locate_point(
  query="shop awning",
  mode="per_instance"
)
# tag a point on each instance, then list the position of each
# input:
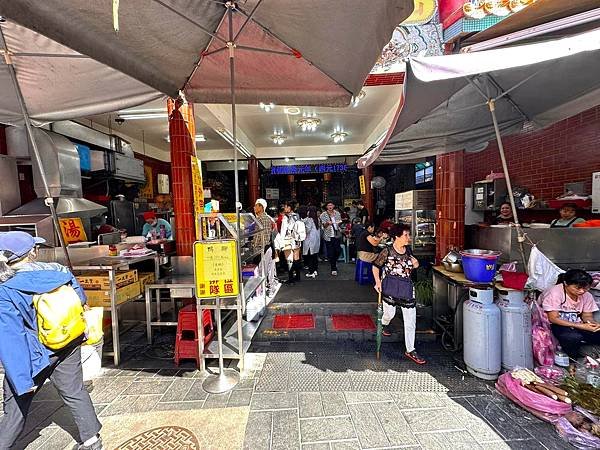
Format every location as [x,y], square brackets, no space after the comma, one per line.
[311,52]
[445,98]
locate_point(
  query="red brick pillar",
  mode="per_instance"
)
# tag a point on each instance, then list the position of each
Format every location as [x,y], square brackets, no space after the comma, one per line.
[367,198]
[326,180]
[292,181]
[253,180]
[182,133]
[450,203]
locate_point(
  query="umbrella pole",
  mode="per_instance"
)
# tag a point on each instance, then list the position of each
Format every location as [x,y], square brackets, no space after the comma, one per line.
[520,236]
[49,201]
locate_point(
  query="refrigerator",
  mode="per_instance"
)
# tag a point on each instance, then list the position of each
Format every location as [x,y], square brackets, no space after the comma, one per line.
[417,209]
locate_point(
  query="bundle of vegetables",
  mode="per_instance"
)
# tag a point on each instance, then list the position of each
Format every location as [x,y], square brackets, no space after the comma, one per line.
[580,428]
[531,381]
[582,394]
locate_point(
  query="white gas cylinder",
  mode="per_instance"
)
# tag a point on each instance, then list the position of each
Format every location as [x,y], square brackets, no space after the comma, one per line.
[482,334]
[517,350]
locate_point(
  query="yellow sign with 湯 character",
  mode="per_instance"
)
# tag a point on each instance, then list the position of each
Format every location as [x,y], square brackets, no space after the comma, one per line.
[198,192]
[361,182]
[216,269]
[72,230]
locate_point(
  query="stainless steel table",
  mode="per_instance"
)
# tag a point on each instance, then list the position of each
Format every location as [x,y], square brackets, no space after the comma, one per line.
[111,264]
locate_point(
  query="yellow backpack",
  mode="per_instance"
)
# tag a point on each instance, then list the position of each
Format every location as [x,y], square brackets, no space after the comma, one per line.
[59,317]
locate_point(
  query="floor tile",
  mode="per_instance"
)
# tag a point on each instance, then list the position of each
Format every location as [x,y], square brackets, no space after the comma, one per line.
[455,440]
[216,400]
[334,404]
[310,404]
[258,431]
[394,424]
[285,435]
[273,400]
[178,389]
[326,429]
[240,397]
[368,429]
[147,387]
[427,420]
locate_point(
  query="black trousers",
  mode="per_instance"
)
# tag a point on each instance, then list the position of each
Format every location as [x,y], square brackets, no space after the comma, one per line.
[571,339]
[333,252]
[312,261]
[65,372]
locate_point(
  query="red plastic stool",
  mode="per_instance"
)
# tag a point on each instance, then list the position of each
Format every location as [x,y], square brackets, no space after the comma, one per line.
[186,347]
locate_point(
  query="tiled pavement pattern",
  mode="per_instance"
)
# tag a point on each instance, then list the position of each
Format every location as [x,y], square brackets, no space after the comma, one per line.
[334,396]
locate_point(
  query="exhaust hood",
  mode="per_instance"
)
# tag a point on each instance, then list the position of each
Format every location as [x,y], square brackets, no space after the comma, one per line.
[61,168]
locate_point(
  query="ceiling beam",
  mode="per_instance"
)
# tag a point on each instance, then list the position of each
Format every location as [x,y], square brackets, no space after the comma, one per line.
[218,117]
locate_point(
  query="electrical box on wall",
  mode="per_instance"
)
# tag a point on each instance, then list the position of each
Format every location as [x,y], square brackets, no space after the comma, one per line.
[596,192]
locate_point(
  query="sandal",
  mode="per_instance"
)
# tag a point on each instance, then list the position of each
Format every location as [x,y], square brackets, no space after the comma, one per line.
[386,331]
[415,357]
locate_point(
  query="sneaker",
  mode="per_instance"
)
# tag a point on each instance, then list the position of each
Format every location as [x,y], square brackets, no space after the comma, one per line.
[334,273]
[415,357]
[95,446]
[311,275]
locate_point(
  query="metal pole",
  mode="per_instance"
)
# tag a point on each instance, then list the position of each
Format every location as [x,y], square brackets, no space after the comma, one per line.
[36,154]
[511,198]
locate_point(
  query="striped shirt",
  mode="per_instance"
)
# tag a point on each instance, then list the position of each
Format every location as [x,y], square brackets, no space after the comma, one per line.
[336,222]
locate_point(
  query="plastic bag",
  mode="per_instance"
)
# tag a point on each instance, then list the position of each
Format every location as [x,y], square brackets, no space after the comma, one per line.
[551,374]
[93,319]
[539,405]
[91,361]
[541,337]
[578,439]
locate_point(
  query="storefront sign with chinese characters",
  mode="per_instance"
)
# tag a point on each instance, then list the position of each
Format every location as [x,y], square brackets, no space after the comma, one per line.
[308,168]
[198,191]
[361,182]
[216,269]
[72,230]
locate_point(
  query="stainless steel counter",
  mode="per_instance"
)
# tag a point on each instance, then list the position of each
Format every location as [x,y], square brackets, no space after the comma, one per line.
[566,247]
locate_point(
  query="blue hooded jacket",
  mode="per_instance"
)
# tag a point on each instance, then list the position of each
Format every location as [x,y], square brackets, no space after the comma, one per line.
[21,353]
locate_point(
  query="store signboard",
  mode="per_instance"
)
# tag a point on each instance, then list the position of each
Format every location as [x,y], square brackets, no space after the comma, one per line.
[272,193]
[72,230]
[216,269]
[163,183]
[198,191]
[363,187]
[298,169]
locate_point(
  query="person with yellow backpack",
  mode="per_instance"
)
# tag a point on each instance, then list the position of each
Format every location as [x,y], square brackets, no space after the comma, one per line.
[42,327]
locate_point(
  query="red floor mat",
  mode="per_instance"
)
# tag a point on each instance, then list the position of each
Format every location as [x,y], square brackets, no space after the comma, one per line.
[343,322]
[294,322]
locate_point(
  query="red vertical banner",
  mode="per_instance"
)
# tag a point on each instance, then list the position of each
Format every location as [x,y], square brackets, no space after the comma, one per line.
[182,132]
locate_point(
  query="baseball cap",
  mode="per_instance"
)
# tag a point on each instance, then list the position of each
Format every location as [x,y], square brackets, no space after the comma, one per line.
[262,202]
[18,243]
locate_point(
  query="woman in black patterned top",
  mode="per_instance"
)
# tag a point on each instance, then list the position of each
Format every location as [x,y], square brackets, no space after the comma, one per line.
[391,271]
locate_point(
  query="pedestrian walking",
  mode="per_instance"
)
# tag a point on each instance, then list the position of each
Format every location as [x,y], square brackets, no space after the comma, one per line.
[331,222]
[310,246]
[391,270]
[291,236]
[27,362]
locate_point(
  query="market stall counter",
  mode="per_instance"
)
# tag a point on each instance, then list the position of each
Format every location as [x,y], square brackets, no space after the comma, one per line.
[115,296]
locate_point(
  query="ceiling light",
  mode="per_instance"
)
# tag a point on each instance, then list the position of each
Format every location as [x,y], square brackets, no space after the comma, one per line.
[308,180]
[356,100]
[140,116]
[292,110]
[278,138]
[229,138]
[199,138]
[309,124]
[339,136]
[287,159]
[266,107]
[314,158]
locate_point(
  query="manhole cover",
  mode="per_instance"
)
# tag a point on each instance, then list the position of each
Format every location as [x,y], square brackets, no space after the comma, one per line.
[170,437]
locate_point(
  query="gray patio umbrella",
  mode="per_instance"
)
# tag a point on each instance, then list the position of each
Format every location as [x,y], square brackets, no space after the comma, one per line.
[463,101]
[291,52]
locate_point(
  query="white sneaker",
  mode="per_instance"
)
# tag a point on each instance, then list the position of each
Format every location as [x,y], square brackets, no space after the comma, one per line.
[311,275]
[334,273]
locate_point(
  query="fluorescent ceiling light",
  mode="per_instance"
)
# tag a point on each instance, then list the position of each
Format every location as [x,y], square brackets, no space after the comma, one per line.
[308,180]
[139,116]
[199,138]
[292,110]
[315,158]
[229,138]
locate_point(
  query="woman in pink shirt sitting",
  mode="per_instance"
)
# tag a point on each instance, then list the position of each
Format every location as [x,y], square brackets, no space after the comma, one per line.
[569,307]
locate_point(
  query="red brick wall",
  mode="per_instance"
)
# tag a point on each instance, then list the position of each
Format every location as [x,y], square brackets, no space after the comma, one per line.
[383,79]
[543,161]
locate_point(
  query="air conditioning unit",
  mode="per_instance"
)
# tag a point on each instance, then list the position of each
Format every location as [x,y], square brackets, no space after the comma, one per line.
[596,192]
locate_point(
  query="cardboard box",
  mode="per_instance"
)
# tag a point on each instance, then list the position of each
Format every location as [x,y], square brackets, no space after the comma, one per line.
[99,281]
[146,278]
[102,298]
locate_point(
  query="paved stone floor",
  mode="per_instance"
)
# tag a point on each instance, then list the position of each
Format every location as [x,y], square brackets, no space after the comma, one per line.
[299,392]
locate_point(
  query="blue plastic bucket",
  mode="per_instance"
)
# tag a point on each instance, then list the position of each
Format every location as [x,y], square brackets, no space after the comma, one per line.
[480,265]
